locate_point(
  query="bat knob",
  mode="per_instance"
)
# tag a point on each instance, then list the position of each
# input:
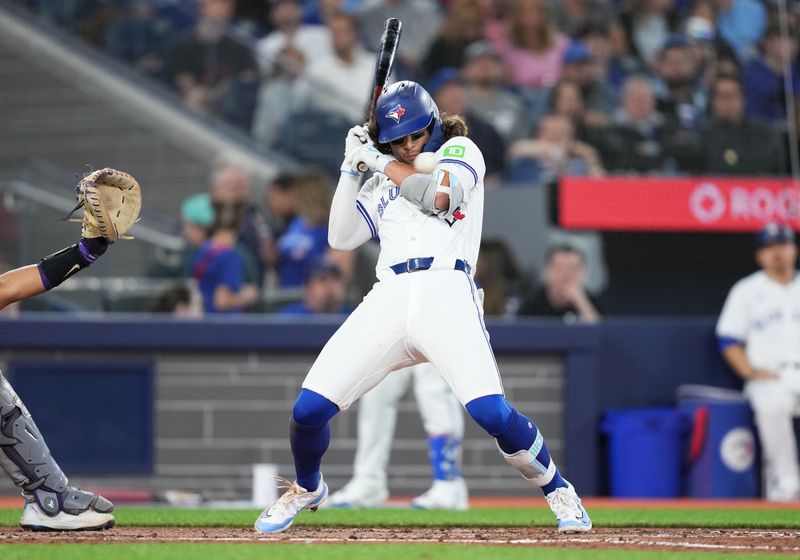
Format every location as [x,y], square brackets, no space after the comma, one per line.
[362,167]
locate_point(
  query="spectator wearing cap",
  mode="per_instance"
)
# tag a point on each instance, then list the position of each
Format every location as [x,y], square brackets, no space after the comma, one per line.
[758,333]
[742,24]
[323,291]
[598,95]
[450,95]
[462,27]
[196,219]
[484,76]
[764,76]
[680,99]
[712,54]
[731,143]
[532,46]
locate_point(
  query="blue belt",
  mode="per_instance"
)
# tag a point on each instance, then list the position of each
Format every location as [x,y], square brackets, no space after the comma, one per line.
[424,263]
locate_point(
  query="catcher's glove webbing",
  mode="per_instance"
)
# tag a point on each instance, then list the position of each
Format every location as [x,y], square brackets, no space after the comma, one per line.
[111,201]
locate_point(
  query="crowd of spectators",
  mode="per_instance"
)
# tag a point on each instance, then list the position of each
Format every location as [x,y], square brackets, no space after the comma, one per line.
[617,73]
[549,88]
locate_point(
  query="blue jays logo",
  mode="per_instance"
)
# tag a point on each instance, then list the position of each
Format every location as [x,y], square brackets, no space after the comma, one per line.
[396,112]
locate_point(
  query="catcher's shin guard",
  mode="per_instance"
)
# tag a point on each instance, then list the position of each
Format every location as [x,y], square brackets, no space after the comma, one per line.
[25,457]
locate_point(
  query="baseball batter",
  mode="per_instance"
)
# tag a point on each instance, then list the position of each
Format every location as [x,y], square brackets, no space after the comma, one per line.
[425,305]
[443,420]
[759,336]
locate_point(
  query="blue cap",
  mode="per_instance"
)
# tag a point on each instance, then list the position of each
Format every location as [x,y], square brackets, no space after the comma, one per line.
[576,52]
[443,77]
[321,267]
[198,210]
[774,232]
[676,40]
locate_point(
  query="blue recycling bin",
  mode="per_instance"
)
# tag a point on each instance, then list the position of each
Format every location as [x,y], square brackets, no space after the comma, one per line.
[721,461]
[644,452]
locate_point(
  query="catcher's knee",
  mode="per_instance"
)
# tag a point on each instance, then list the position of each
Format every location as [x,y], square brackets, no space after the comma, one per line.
[492,413]
[312,409]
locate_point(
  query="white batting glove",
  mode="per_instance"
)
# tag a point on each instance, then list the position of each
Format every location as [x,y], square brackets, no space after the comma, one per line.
[356,137]
[371,157]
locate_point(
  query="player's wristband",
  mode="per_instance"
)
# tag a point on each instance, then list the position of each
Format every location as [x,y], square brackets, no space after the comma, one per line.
[55,268]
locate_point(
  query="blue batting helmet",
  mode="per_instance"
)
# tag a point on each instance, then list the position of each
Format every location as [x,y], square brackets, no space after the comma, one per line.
[405,108]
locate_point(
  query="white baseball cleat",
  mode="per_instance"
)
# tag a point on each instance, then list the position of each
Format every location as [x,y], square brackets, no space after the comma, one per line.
[569,512]
[444,494]
[34,519]
[358,495]
[281,515]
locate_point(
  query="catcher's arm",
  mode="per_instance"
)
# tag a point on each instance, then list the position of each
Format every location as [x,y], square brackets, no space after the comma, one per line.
[19,284]
[52,270]
[103,195]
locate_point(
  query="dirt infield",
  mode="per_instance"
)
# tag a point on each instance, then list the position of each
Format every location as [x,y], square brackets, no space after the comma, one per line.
[779,542]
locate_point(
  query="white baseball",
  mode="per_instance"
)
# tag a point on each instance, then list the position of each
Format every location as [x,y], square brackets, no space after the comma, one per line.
[425,162]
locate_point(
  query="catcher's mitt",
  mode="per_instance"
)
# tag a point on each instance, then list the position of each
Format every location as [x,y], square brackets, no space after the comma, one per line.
[111,201]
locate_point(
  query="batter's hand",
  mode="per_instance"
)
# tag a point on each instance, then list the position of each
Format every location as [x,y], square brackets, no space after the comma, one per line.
[356,137]
[371,157]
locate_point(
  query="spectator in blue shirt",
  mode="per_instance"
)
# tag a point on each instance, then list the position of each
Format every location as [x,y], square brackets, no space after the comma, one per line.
[306,238]
[764,77]
[218,267]
[741,23]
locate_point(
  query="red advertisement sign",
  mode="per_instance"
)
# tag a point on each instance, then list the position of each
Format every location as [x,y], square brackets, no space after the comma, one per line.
[677,204]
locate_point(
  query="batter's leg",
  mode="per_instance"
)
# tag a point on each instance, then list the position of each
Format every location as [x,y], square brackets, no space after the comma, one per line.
[443,419]
[470,369]
[50,502]
[377,416]
[368,346]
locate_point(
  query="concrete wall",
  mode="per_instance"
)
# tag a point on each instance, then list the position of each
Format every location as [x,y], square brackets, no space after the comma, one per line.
[217,414]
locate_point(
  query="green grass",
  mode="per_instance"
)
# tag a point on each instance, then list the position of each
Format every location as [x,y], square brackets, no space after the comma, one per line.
[337,552]
[155,517]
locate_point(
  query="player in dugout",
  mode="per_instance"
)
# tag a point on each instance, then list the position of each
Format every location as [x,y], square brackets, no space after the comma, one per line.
[759,337]
[425,306]
[51,503]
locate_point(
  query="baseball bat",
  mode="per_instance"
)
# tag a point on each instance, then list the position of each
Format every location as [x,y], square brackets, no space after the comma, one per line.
[383,66]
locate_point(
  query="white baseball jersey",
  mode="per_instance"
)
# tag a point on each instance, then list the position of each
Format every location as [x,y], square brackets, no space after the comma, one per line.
[406,231]
[407,318]
[764,316]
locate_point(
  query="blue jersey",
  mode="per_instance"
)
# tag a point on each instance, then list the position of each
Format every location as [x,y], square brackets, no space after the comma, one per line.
[217,265]
[299,247]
